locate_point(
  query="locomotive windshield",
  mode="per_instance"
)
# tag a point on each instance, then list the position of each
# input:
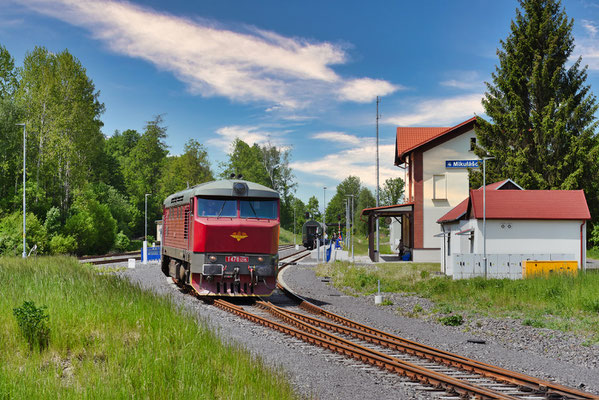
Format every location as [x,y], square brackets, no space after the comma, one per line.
[211,207]
[258,208]
[227,207]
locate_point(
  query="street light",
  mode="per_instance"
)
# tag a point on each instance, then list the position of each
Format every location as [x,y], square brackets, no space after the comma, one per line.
[485,212]
[324,212]
[24,210]
[351,196]
[146,218]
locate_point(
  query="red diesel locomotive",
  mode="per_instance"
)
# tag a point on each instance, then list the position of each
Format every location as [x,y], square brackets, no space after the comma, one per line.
[222,238]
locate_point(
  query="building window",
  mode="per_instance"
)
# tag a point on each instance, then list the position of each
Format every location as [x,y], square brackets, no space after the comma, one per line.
[472,144]
[449,244]
[440,187]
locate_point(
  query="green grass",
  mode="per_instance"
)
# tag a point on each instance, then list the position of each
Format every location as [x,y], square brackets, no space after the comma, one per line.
[568,303]
[110,339]
[286,237]
[593,253]
[361,246]
[394,277]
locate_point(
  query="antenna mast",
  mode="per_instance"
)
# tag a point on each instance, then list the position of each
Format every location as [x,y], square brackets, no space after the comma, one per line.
[378,100]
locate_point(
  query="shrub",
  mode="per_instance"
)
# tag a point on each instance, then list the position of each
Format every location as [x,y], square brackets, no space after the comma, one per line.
[33,324]
[452,320]
[53,222]
[11,234]
[60,244]
[122,242]
[91,225]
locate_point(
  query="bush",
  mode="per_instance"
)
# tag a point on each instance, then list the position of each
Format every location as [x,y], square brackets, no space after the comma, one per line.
[91,225]
[122,242]
[53,222]
[452,320]
[33,324]
[11,234]
[60,244]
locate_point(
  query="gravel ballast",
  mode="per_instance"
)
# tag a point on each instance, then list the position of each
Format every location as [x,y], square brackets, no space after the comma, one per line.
[317,373]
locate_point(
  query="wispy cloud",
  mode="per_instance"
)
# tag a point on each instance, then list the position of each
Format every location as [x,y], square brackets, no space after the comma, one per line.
[365,90]
[246,65]
[590,26]
[358,161]
[443,111]
[464,80]
[249,134]
[339,138]
[587,46]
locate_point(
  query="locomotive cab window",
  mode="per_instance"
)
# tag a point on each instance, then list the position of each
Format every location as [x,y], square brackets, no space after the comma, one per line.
[214,207]
[258,208]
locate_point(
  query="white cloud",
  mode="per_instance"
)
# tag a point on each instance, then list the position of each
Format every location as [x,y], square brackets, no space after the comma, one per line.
[587,46]
[365,90]
[358,161]
[338,137]
[255,65]
[464,80]
[590,26]
[441,112]
[249,134]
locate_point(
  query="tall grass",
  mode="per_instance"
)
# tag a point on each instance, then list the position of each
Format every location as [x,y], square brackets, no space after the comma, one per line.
[110,339]
[559,301]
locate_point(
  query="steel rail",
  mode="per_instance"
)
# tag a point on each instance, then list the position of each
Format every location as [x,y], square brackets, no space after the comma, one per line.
[448,358]
[331,342]
[462,363]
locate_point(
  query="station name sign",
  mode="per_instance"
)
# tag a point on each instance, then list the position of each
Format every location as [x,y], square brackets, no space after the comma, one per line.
[462,163]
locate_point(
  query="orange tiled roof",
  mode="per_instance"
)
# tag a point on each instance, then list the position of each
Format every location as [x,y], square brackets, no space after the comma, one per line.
[408,139]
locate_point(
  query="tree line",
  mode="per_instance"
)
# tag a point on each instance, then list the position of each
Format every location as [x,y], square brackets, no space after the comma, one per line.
[86,192]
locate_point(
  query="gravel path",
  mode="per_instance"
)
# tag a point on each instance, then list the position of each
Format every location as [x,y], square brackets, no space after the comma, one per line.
[317,373]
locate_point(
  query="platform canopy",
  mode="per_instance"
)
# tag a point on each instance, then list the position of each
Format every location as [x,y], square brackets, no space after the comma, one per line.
[404,211]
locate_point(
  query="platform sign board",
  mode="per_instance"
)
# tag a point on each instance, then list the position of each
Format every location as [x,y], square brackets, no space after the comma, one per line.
[462,163]
[153,253]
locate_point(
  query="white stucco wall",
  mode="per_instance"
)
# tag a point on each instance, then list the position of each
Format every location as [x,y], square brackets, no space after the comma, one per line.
[433,163]
[532,237]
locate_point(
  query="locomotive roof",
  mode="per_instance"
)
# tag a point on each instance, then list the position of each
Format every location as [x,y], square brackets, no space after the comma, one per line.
[222,188]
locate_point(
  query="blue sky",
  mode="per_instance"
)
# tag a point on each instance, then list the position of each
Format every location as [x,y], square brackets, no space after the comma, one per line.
[300,74]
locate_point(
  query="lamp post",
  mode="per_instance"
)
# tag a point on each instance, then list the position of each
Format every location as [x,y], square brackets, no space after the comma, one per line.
[24,204]
[485,213]
[146,218]
[145,247]
[324,211]
[294,224]
[351,198]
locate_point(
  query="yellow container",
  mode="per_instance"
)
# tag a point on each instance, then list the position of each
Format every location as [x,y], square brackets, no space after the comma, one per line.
[532,268]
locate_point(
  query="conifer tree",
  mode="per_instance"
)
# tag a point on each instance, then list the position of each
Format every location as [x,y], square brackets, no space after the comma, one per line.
[542,124]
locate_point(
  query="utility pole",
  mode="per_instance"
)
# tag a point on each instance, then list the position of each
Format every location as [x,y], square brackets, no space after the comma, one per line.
[378,100]
[24,205]
[324,212]
[346,222]
[145,244]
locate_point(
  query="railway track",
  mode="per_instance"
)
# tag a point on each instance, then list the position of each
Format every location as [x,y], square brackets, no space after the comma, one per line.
[451,375]
[124,257]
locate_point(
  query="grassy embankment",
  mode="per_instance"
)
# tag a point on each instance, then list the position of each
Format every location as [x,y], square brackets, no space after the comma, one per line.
[110,339]
[558,302]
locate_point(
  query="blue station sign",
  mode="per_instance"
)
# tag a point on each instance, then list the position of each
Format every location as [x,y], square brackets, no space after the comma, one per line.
[462,163]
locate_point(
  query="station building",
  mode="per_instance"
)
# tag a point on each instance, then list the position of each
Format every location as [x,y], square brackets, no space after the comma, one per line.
[435,161]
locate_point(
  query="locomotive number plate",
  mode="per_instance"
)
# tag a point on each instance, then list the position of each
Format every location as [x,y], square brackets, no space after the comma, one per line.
[237,259]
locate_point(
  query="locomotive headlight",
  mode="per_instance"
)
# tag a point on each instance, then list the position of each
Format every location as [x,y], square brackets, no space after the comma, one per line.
[260,259]
[212,258]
